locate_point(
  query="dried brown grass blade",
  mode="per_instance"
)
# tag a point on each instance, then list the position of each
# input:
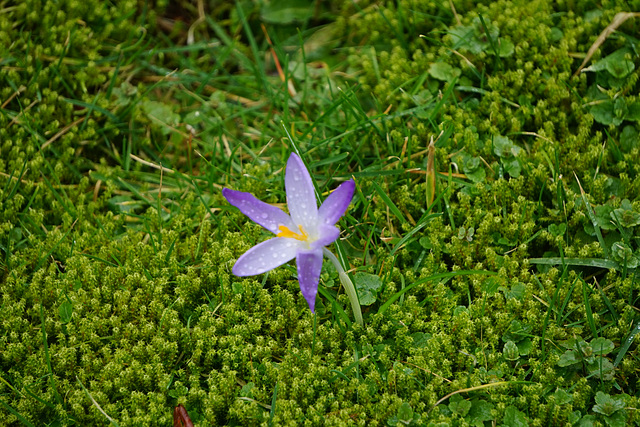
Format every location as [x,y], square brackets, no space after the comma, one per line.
[615,23]
[431,173]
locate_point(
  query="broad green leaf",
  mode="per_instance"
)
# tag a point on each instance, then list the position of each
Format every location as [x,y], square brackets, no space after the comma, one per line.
[633,111]
[561,397]
[626,215]
[616,64]
[505,48]
[629,138]
[517,291]
[514,418]
[601,346]
[618,419]
[504,147]
[604,217]
[367,286]
[480,412]
[459,406]
[66,311]
[525,346]
[405,413]
[512,167]
[601,368]
[420,339]
[602,113]
[568,359]
[607,405]
[557,229]
[477,175]
[161,114]
[286,12]
[623,254]
[510,351]
[443,71]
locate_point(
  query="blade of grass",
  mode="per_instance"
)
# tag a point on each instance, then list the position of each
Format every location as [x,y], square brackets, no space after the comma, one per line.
[587,307]
[592,217]
[274,398]
[39,263]
[627,343]
[560,318]
[17,180]
[96,404]
[387,201]
[431,174]
[340,311]
[57,196]
[491,42]
[582,262]
[22,419]
[417,228]
[439,276]
[257,66]
[445,96]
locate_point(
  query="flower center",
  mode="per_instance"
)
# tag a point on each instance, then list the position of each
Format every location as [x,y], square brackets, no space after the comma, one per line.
[285,232]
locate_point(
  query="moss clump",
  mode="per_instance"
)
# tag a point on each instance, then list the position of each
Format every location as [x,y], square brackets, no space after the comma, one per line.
[116,245]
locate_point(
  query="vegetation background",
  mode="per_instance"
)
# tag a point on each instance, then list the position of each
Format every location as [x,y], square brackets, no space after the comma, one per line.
[497,269]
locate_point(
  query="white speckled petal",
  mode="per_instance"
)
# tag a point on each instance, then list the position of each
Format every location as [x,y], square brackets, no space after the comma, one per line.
[309,266]
[301,198]
[259,212]
[337,203]
[327,234]
[266,256]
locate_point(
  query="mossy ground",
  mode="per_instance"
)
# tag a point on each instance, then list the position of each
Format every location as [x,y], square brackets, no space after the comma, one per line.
[510,299]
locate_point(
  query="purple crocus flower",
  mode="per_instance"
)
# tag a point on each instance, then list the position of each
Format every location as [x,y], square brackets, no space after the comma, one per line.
[301,235]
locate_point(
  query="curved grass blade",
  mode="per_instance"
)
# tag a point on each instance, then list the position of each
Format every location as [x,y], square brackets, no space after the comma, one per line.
[582,262]
[627,344]
[440,276]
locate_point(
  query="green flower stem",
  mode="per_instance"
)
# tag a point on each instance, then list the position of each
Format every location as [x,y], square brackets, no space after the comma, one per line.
[348,286]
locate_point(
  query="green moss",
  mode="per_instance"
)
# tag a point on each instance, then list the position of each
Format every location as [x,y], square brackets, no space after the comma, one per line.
[116,279]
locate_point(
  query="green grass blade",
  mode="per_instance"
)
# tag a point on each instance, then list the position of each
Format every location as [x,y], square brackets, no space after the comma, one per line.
[439,276]
[627,343]
[581,262]
[274,399]
[387,201]
[594,221]
[587,308]
[341,313]
[410,234]
[22,419]
[96,404]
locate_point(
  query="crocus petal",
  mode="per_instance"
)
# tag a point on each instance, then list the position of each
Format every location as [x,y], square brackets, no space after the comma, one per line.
[301,198]
[327,234]
[259,212]
[309,266]
[266,256]
[337,203]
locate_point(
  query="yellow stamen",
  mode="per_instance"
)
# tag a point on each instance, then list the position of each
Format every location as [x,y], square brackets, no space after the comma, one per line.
[285,232]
